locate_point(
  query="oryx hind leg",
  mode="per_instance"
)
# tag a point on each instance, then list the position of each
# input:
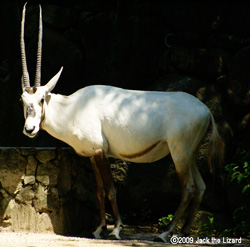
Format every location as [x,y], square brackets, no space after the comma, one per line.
[184,172]
[110,191]
[195,204]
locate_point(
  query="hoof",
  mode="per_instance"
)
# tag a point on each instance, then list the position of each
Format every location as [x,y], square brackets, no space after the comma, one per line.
[113,237]
[96,236]
[115,234]
[158,239]
[103,235]
[100,233]
[162,237]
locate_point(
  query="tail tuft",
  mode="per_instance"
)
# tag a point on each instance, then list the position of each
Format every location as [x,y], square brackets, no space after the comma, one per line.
[216,150]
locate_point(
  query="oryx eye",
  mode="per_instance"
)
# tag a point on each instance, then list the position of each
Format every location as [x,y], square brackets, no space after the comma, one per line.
[21,100]
[42,100]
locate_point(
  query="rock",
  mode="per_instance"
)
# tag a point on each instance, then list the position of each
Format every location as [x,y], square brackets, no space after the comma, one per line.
[119,170]
[47,174]
[29,180]
[12,167]
[53,200]
[18,188]
[31,166]
[25,195]
[3,193]
[28,151]
[40,201]
[22,217]
[46,200]
[45,155]
[44,179]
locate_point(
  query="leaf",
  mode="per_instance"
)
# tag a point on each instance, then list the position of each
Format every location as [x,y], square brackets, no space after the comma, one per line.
[245,188]
[211,219]
[235,168]
[240,177]
[235,175]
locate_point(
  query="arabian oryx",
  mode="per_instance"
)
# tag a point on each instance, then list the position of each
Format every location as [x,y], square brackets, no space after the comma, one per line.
[137,126]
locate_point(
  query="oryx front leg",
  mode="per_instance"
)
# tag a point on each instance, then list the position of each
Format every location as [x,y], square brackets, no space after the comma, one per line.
[96,160]
[105,186]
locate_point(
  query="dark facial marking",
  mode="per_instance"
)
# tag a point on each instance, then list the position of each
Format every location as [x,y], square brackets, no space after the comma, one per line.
[30,90]
[30,112]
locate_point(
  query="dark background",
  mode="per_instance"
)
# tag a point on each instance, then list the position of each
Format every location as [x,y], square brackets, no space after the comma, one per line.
[123,43]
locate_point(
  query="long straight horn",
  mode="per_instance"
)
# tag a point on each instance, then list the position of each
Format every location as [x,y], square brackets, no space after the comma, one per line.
[26,79]
[39,51]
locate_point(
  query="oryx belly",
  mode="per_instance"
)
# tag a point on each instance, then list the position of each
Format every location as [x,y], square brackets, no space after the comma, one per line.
[143,154]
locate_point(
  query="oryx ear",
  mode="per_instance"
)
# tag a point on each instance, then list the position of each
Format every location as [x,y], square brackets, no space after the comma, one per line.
[52,83]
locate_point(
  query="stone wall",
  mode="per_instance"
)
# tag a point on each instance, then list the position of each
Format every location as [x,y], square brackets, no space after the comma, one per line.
[46,190]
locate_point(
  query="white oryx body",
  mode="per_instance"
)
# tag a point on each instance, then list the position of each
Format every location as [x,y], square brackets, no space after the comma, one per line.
[138,126]
[131,125]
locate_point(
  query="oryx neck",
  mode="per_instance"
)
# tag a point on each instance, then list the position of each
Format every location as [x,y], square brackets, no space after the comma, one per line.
[56,115]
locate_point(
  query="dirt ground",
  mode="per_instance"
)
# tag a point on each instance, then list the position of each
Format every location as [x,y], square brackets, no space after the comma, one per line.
[139,236]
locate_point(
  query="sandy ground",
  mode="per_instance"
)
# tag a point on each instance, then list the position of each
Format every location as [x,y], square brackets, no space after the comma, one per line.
[8,239]
[131,236]
[50,240]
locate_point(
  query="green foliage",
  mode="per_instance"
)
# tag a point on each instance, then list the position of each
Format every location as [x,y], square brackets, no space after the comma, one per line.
[164,221]
[241,174]
[206,229]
